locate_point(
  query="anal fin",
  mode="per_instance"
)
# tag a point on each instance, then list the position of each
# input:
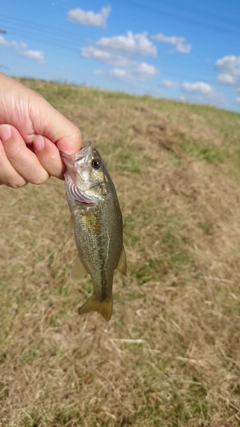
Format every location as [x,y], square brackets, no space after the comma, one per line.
[122,263]
[78,269]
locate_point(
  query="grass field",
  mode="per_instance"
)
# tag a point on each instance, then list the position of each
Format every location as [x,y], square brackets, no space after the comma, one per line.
[170,356]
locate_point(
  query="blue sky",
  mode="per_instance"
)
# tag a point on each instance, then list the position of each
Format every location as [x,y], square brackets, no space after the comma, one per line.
[180,49]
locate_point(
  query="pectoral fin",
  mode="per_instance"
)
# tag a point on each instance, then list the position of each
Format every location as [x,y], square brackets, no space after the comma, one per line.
[122,263]
[70,225]
[94,304]
[78,269]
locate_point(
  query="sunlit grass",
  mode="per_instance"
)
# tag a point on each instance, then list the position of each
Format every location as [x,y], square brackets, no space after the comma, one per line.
[169,357]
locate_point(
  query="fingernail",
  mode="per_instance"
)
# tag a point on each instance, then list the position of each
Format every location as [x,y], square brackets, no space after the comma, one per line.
[38,143]
[5,132]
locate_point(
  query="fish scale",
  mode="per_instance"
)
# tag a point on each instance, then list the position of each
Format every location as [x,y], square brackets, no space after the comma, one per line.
[98,226]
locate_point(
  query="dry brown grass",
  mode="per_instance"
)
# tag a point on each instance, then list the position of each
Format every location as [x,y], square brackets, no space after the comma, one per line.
[170,356]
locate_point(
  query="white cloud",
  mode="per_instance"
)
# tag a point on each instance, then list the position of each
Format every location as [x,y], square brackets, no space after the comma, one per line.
[198,87]
[229,63]
[116,50]
[119,73]
[178,42]
[104,56]
[183,48]
[114,72]
[120,52]
[93,52]
[238,100]
[229,67]
[134,44]
[89,18]
[34,54]
[134,71]
[168,84]
[21,49]
[226,79]
[145,69]
[13,44]
[101,55]
[4,42]
[201,92]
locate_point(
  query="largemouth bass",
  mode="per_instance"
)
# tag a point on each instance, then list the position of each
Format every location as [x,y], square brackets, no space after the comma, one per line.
[97,222]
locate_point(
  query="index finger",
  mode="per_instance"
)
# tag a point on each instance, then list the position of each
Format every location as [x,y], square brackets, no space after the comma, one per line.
[22,159]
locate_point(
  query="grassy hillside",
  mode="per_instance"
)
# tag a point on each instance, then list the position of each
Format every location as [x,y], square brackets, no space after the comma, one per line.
[170,356]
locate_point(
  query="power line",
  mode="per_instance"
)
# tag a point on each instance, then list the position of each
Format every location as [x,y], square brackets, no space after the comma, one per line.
[55,37]
[177,17]
[176,63]
[198,11]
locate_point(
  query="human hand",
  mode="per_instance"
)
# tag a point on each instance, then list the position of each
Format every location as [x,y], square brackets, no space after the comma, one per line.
[32,133]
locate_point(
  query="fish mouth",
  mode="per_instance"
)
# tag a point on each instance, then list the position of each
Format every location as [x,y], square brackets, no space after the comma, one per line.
[77,187]
[76,160]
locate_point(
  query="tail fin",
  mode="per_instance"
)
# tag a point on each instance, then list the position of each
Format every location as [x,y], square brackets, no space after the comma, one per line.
[102,307]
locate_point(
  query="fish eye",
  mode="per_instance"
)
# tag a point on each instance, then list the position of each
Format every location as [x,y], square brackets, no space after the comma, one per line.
[96,164]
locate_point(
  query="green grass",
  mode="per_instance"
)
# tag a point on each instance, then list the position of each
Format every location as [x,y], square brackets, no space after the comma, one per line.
[211,154]
[169,357]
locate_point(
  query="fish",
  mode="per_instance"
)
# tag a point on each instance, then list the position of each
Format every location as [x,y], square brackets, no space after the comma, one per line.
[98,226]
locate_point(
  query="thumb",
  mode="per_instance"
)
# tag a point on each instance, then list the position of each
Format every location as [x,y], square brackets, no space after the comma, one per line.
[32,115]
[49,122]
[70,143]
[62,132]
